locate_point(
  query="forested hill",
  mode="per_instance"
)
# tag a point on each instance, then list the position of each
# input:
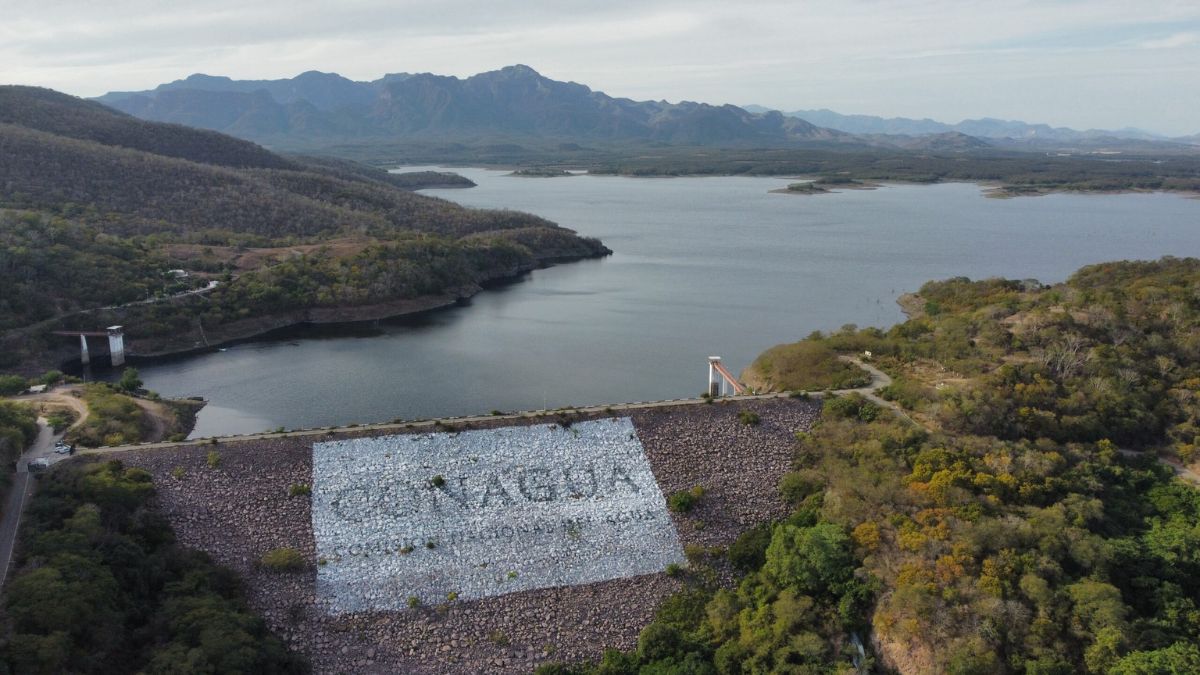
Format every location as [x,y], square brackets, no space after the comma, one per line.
[1029,522]
[62,115]
[60,150]
[84,187]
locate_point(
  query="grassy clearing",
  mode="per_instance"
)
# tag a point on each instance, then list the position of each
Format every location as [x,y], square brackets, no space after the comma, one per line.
[804,366]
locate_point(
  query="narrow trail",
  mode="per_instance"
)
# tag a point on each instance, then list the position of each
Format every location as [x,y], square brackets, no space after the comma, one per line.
[1184,473]
[879,379]
[156,415]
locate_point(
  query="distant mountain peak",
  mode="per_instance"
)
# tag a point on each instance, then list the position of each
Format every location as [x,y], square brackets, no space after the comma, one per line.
[520,69]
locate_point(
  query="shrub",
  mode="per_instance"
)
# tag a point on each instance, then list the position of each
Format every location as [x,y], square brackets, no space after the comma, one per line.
[673,570]
[437,481]
[854,406]
[178,473]
[749,551]
[213,459]
[11,385]
[130,380]
[685,500]
[413,602]
[908,393]
[299,490]
[749,418]
[796,486]
[284,559]
[60,420]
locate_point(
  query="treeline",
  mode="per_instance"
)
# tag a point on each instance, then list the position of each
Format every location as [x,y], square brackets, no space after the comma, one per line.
[1023,172]
[103,587]
[18,429]
[408,180]
[411,268]
[1018,170]
[1018,533]
[387,270]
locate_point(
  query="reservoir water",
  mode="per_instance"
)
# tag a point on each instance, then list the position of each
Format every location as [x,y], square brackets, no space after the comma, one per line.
[701,266]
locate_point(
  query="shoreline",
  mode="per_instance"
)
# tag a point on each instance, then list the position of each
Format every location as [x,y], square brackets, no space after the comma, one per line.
[262,327]
[989,188]
[202,340]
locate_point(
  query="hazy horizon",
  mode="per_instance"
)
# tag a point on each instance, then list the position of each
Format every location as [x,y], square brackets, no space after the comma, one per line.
[1098,64]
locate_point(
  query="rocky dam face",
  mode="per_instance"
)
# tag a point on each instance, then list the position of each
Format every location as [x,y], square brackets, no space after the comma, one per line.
[493,547]
[484,512]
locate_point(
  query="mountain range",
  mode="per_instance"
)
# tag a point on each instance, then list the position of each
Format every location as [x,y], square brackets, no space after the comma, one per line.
[985,128]
[515,102]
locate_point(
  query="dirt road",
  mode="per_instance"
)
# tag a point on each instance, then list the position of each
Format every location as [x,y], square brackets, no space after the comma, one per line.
[22,487]
[65,396]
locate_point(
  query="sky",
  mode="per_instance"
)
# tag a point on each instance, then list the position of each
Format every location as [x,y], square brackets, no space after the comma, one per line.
[1080,63]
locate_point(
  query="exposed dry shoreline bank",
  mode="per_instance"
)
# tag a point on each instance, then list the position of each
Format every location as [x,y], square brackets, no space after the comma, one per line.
[249,329]
[198,339]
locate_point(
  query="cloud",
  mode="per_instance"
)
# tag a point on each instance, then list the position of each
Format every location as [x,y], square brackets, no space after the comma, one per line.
[1171,41]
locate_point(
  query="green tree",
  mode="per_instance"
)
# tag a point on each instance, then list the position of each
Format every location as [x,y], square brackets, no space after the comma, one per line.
[130,380]
[814,560]
[11,385]
[1181,658]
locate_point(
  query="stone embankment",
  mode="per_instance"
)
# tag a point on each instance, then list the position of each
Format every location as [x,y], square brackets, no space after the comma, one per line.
[243,507]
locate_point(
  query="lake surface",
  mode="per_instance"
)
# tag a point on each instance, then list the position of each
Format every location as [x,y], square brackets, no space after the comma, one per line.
[702,266]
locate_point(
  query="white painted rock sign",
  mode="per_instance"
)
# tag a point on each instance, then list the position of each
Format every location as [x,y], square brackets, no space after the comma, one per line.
[484,512]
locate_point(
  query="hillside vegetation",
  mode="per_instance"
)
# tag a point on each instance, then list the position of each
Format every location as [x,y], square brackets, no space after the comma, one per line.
[101,586]
[18,429]
[95,205]
[1028,528]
